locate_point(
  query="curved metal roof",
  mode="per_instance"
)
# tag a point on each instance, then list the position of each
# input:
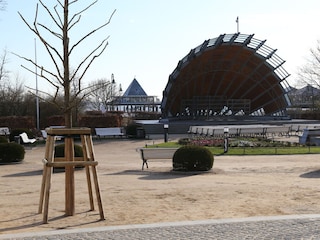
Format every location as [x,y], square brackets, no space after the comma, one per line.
[233,74]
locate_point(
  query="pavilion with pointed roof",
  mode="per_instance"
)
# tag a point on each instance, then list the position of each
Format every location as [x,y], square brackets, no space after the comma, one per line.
[135,99]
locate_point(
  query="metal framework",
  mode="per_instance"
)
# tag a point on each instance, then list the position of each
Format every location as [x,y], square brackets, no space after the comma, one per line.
[233,74]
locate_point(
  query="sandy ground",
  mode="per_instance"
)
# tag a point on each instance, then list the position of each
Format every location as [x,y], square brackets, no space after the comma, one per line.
[238,186]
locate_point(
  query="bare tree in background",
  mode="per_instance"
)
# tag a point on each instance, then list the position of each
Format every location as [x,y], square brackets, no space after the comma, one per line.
[61,78]
[101,95]
[3,5]
[309,74]
[4,74]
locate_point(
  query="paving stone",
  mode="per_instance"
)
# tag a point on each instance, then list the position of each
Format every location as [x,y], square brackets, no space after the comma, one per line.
[304,228]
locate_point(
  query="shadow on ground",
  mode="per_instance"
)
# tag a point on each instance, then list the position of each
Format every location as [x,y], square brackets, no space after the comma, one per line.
[34,223]
[163,175]
[25,174]
[313,174]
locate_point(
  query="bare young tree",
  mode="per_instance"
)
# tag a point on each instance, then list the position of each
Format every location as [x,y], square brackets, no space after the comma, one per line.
[61,78]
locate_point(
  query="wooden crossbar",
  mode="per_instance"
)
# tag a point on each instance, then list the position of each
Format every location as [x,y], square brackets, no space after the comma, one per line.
[68,164]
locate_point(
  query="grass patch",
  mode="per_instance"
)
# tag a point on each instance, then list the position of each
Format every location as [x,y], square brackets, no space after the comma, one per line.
[166,145]
[247,150]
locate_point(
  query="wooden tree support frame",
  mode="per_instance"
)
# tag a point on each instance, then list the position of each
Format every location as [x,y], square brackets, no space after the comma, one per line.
[69,162]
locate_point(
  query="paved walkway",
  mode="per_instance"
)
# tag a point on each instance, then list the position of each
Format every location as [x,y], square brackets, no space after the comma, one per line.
[278,227]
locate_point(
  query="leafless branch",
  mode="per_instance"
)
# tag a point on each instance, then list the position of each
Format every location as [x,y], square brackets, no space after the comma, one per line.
[50,14]
[92,32]
[78,15]
[309,74]
[3,5]
[103,44]
[58,16]
[41,70]
[48,100]
[48,47]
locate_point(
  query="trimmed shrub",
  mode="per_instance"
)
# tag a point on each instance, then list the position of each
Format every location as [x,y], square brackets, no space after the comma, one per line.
[184,141]
[59,152]
[11,152]
[135,131]
[192,158]
[3,139]
[131,130]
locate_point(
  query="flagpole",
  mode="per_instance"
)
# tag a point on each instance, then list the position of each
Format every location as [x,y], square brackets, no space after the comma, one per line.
[37,93]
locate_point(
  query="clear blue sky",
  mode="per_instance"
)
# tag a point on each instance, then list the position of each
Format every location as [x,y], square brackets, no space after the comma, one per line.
[149,37]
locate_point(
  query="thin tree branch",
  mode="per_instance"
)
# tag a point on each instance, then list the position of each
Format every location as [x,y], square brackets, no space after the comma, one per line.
[50,14]
[45,43]
[78,15]
[41,68]
[92,32]
[93,58]
[58,16]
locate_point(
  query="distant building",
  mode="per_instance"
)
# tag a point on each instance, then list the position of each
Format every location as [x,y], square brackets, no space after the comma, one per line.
[135,99]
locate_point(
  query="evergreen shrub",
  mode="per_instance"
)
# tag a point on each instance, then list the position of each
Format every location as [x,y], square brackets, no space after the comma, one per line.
[192,158]
[59,152]
[131,130]
[184,141]
[135,131]
[3,139]
[11,152]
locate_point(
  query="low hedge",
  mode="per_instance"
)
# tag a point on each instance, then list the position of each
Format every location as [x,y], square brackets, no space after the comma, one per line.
[192,158]
[11,152]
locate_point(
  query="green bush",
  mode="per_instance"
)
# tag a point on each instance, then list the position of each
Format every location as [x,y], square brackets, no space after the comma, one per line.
[131,130]
[135,131]
[184,141]
[3,139]
[192,158]
[18,131]
[59,152]
[11,152]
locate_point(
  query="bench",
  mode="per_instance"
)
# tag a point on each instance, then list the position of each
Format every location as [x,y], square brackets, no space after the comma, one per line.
[107,132]
[4,131]
[25,139]
[310,136]
[155,153]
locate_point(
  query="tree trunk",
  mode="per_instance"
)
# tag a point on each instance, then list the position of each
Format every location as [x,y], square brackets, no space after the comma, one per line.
[66,76]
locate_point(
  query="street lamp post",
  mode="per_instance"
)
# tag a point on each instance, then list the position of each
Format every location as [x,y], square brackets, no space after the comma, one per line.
[113,82]
[226,139]
[37,92]
[166,130]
